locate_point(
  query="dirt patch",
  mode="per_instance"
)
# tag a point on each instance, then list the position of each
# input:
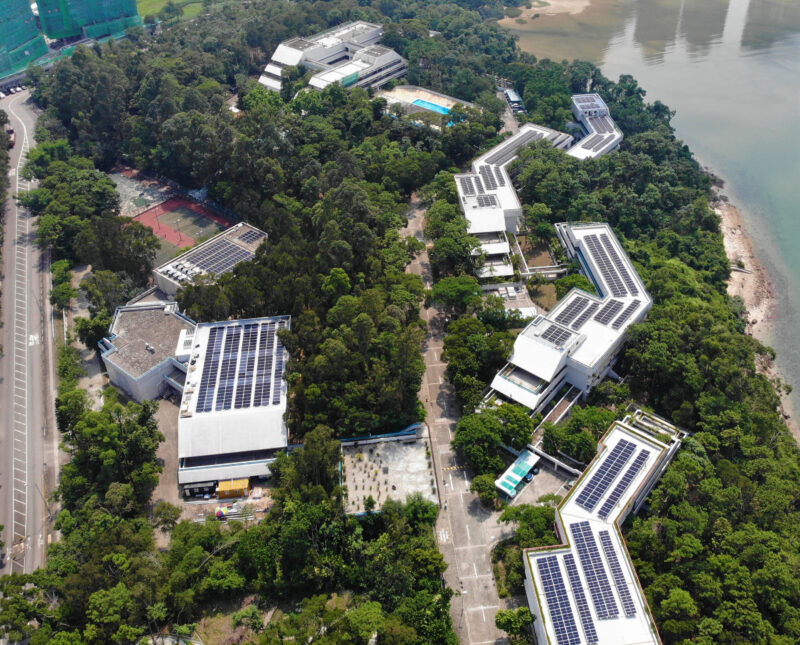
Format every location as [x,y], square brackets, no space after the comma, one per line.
[544,295]
[535,251]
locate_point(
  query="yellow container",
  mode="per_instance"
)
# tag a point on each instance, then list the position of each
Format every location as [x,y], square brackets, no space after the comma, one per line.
[233,488]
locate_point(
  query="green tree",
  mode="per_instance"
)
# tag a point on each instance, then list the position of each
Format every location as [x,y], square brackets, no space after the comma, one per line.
[515,622]
[483,486]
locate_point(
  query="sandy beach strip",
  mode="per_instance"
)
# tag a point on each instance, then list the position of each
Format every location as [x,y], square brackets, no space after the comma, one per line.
[546,8]
[754,286]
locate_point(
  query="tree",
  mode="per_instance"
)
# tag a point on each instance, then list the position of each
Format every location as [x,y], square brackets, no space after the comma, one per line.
[573,281]
[458,294]
[92,330]
[366,620]
[61,296]
[479,436]
[483,486]
[166,516]
[515,622]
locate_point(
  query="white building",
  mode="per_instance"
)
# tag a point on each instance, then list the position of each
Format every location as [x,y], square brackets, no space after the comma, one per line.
[578,340]
[141,350]
[586,591]
[347,54]
[602,134]
[487,196]
[230,423]
[216,256]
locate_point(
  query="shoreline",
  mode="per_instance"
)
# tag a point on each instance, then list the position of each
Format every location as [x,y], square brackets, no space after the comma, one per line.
[546,8]
[754,286]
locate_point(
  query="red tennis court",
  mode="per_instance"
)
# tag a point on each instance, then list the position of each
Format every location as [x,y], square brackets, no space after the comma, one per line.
[181,221]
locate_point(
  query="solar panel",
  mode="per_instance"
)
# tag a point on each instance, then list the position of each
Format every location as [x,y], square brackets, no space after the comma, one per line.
[632,306]
[619,264]
[208,382]
[489,182]
[605,474]
[580,599]
[558,606]
[509,151]
[501,180]
[623,484]
[487,201]
[556,335]
[466,185]
[600,144]
[478,184]
[605,266]
[251,236]
[591,141]
[218,257]
[609,310]
[279,352]
[616,572]
[594,571]
[575,306]
[263,383]
[244,381]
[585,315]
[227,373]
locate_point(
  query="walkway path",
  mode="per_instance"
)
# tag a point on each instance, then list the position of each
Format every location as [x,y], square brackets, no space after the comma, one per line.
[465,530]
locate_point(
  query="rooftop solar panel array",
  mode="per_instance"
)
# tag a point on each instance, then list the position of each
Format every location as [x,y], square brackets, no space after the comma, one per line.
[632,306]
[609,310]
[478,184]
[606,267]
[558,606]
[603,141]
[580,599]
[568,313]
[619,264]
[585,315]
[489,180]
[208,382]
[243,373]
[605,474]
[616,572]
[466,185]
[487,201]
[556,335]
[595,572]
[218,257]
[591,141]
[227,373]
[244,387]
[507,153]
[501,180]
[623,484]
[263,382]
[251,236]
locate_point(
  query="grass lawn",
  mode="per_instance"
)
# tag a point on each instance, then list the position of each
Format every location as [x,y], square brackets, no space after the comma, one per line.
[191,9]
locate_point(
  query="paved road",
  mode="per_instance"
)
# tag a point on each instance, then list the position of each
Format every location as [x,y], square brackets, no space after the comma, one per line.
[28,439]
[465,530]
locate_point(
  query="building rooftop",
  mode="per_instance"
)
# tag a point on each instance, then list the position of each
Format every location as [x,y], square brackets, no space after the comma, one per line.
[218,255]
[142,336]
[235,395]
[586,589]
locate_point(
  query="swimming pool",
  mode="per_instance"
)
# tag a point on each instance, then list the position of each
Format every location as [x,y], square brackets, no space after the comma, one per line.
[433,107]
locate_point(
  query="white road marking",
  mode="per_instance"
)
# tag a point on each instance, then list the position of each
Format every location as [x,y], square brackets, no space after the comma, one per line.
[469,539]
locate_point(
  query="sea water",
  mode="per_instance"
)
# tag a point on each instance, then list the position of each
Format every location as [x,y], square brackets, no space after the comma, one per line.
[731,70]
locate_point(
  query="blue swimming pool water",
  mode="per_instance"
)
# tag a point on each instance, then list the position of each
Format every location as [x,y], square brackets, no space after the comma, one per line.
[433,107]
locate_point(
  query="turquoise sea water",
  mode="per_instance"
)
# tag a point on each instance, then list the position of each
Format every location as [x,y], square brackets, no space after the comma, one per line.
[731,70]
[433,107]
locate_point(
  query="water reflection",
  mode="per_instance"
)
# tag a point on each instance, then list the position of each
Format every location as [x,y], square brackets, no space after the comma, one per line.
[769,22]
[701,25]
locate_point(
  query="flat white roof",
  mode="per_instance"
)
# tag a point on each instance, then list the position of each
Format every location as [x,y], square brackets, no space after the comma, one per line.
[587,590]
[234,397]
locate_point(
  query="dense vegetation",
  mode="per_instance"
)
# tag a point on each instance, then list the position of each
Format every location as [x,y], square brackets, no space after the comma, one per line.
[327,175]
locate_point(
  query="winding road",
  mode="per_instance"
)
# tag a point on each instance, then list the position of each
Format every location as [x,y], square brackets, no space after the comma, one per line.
[28,435]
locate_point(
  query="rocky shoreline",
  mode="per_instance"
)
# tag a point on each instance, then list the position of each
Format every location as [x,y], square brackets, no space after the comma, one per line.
[751,281]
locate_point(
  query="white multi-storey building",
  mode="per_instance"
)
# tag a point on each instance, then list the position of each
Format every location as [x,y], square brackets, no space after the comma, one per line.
[585,591]
[578,340]
[348,54]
